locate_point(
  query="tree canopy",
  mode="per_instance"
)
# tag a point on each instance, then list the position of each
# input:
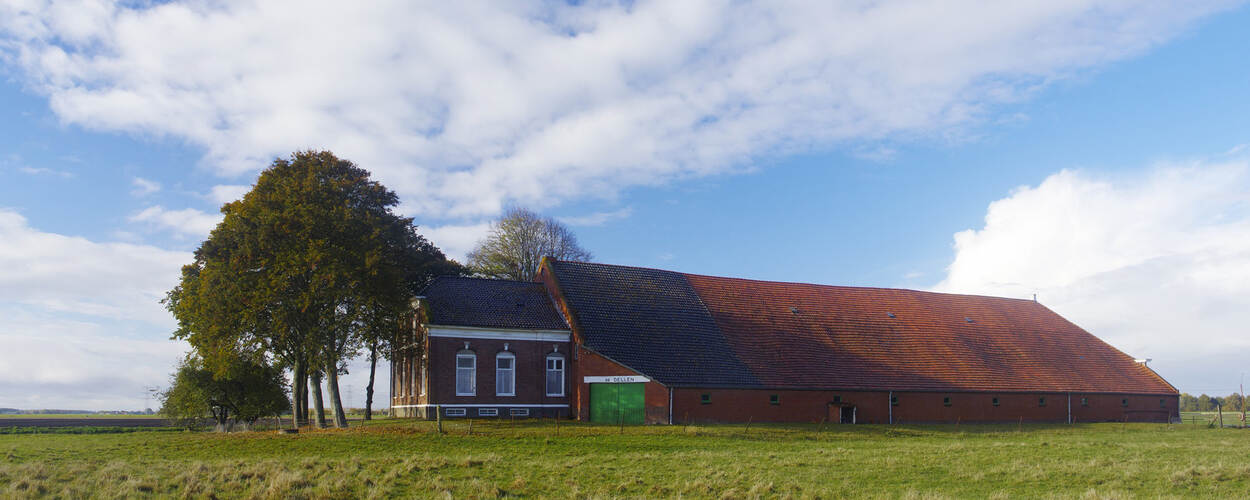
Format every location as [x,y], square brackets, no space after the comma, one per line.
[241,394]
[518,241]
[309,267]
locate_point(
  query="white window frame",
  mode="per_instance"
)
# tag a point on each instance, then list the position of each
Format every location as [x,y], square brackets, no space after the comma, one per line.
[519,412]
[455,412]
[488,412]
[547,373]
[500,371]
[473,379]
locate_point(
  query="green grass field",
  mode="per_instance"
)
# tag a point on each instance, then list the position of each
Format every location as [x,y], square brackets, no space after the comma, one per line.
[406,458]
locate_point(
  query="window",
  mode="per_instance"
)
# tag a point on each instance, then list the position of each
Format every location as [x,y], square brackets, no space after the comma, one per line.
[454,412]
[555,375]
[466,374]
[519,412]
[1041,401]
[893,400]
[505,374]
[774,399]
[705,399]
[1124,402]
[1084,401]
[946,401]
[994,401]
[488,412]
[837,398]
[1163,403]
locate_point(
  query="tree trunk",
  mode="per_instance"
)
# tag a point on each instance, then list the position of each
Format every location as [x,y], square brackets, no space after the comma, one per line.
[318,405]
[299,393]
[373,369]
[332,384]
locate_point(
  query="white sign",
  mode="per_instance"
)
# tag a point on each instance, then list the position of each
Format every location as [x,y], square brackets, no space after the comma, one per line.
[616,379]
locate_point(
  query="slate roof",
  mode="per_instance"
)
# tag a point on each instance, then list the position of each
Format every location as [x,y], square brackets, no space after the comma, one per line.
[701,330]
[488,303]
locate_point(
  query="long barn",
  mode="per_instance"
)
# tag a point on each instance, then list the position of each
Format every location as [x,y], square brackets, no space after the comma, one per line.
[617,344]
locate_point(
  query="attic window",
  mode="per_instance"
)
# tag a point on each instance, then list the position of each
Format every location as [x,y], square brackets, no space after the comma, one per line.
[890,314]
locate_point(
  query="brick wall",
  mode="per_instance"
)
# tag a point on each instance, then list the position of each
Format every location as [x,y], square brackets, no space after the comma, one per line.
[733,405]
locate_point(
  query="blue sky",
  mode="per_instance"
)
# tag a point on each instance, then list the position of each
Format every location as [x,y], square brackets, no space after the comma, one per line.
[1094,157]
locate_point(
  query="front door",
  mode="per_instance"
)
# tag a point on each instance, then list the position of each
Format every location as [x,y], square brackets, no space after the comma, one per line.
[616,403]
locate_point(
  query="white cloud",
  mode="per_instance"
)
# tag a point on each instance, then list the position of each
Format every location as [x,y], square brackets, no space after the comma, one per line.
[597,218]
[1156,263]
[225,193]
[186,222]
[46,171]
[144,187]
[456,241]
[81,321]
[468,106]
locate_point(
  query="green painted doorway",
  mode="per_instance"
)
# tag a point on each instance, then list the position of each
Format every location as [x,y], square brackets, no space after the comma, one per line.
[616,403]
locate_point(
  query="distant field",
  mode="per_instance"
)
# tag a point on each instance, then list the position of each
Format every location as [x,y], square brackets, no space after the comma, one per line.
[75,415]
[406,458]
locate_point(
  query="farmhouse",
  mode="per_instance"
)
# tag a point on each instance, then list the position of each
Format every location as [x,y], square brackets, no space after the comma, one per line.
[620,344]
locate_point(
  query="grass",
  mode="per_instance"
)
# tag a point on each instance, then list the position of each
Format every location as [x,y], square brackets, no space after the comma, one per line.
[528,459]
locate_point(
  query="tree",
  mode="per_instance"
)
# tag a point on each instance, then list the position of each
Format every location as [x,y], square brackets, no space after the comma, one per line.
[246,392]
[303,268]
[518,241]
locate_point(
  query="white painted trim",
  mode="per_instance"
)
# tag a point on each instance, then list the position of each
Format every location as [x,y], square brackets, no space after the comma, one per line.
[502,405]
[616,379]
[469,332]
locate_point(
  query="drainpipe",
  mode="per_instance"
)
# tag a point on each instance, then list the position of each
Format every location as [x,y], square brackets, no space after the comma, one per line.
[670,405]
[1069,408]
[890,404]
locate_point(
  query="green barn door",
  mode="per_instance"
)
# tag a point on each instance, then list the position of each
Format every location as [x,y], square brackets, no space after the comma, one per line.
[616,403]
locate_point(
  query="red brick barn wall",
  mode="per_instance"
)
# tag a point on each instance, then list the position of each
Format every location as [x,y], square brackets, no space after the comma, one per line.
[589,363]
[741,405]
[531,374]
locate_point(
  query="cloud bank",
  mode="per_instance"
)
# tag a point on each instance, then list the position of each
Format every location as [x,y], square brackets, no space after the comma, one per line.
[464,107]
[1156,263]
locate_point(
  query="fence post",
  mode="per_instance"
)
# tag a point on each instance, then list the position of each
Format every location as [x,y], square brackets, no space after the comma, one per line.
[438,417]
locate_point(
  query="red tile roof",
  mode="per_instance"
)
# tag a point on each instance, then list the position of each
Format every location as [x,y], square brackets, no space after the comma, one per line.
[707,331]
[800,335]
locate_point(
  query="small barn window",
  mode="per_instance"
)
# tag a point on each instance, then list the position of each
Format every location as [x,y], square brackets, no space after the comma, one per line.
[837,398]
[994,401]
[454,412]
[519,412]
[1041,401]
[505,374]
[1163,403]
[893,400]
[488,412]
[774,399]
[946,401]
[1084,401]
[466,374]
[705,399]
[1124,402]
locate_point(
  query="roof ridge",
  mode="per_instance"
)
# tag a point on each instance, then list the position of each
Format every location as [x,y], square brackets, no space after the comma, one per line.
[778,282]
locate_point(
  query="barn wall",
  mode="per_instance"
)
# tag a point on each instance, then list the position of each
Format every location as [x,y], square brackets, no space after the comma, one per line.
[739,405]
[588,363]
